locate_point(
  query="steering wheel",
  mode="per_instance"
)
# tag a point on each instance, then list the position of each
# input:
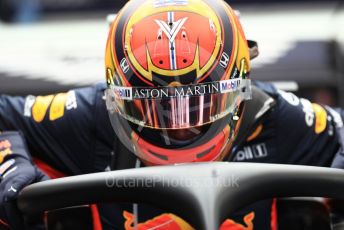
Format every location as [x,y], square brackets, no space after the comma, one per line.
[204,194]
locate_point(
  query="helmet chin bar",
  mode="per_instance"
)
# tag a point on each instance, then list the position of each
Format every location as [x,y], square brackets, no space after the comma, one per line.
[208,151]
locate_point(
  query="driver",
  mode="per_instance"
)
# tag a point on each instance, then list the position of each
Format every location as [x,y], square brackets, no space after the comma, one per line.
[177,90]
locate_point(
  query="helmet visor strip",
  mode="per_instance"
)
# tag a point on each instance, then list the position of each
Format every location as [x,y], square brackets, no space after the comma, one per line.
[177,107]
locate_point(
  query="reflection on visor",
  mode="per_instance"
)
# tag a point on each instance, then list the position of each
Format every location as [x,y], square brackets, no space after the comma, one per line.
[178,107]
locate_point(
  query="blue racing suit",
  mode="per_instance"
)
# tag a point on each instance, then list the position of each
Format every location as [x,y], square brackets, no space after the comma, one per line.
[72,133]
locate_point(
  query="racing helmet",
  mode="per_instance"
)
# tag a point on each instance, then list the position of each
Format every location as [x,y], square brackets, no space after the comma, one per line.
[177,79]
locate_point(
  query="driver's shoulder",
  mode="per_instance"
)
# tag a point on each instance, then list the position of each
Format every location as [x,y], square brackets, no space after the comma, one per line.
[289,110]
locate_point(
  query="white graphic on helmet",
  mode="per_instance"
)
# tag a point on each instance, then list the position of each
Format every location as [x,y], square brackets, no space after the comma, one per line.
[124,65]
[162,3]
[171,32]
[171,29]
[224,60]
